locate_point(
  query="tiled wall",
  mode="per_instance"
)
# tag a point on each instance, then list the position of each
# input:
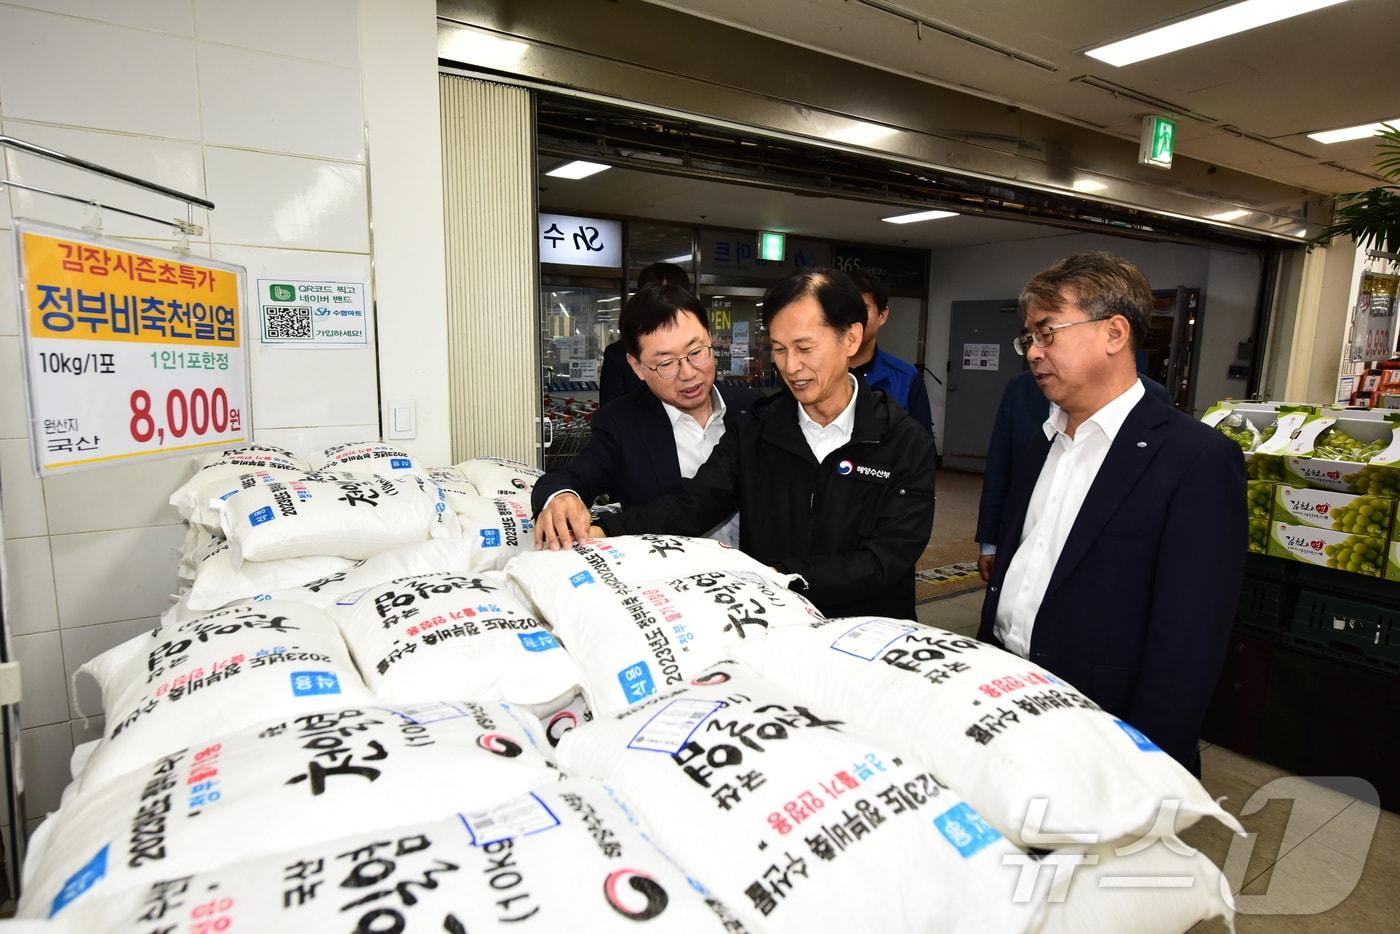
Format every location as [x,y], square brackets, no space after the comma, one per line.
[258,105]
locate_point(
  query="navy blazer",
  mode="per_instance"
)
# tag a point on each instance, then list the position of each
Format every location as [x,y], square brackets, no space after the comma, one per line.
[631,452]
[1141,602]
[617,378]
[1023,410]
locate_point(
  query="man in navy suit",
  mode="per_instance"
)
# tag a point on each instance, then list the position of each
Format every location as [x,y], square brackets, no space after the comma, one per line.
[643,443]
[1122,540]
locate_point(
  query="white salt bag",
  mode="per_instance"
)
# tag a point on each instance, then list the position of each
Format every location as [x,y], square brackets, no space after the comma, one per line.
[451,635]
[1018,742]
[367,457]
[497,476]
[351,519]
[562,858]
[214,468]
[282,784]
[219,581]
[343,588]
[795,822]
[181,684]
[632,640]
[628,559]
[498,529]
[458,489]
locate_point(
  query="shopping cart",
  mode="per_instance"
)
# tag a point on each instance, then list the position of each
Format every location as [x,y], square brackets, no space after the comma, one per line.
[569,422]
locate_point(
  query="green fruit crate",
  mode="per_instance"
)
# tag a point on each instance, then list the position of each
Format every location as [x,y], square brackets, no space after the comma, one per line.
[1343,627]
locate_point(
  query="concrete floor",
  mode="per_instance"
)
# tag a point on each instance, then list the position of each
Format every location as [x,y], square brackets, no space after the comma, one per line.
[1316,858]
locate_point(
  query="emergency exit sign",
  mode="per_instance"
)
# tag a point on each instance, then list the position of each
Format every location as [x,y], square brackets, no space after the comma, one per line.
[772,246]
[1158,142]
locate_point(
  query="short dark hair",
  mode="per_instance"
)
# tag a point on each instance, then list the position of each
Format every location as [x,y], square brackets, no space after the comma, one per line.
[834,291]
[652,309]
[1106,285]
[872,285]
[664,274]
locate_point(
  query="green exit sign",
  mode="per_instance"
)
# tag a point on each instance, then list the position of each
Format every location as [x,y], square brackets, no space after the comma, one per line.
[1158,142]
[772,246]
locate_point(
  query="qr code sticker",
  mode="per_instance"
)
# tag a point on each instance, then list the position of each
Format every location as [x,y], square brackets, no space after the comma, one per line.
[286,322]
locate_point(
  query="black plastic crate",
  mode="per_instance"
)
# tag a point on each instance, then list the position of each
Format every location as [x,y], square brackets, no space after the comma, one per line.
[1260,611]
[1343,627]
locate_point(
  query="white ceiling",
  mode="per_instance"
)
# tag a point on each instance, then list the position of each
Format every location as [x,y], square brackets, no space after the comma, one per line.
[1336,67]
[631,193]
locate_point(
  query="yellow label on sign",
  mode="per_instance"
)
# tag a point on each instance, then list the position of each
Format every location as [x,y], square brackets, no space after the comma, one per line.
[721,319]
[82,291]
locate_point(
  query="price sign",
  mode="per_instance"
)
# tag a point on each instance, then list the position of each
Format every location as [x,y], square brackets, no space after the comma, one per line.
[130,352]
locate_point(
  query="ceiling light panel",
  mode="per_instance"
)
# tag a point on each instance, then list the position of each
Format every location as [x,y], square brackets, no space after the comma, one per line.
[1217,24]
[578,169]
[920,216]
[1347,134]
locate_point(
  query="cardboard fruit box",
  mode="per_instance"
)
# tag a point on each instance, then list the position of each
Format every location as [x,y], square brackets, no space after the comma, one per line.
[1344,551]
[1361,514]
[1310,454]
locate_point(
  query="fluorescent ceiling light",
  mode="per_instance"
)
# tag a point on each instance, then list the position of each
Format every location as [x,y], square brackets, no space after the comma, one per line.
[920,216]
[1229,215]
[578,169]
[1088,185]
[1225,21]
[1346,134]
[683,258]
[862,133]
[481,48]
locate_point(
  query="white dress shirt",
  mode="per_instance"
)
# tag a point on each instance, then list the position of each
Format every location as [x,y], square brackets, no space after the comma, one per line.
[1069,471]
[694,444]
[823,439]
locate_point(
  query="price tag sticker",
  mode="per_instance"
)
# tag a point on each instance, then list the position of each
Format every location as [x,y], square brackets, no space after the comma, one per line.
[130,352]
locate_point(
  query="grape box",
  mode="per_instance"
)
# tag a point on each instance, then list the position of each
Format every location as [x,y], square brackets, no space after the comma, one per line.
[1345,551]
[1322,509]
[1392,569]
[1347,454]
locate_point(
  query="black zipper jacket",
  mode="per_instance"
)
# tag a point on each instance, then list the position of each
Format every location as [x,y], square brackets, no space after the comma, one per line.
[853,526]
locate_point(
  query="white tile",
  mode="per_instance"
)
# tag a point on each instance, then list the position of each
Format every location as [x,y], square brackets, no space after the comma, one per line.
[324,30]
[86,643]
[261,101]
[9,286]
[308,442]
[33,606]
[125,496]
[21,492]
[44,753]
[45,698]
[85,731]
[104,576]
[172,163]
[287,201]
[14,412]
[172,16]
[108,77]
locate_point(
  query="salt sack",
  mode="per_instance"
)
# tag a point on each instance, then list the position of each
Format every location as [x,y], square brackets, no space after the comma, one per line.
[563,858]
[352,519]
[634,639]
[498,528]
[458,489]
[1011,737]
[196,546]
[219,581]
[207,510]
[1154,886]
[178,685]
[795,822]
[497,476]
[451,635]
[367,457]
[343,588]
[250,458]
[282,784]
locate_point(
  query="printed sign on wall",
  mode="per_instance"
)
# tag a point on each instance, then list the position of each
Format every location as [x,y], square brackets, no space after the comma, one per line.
[306,313]
[130,352]
[981,357]
[580,241]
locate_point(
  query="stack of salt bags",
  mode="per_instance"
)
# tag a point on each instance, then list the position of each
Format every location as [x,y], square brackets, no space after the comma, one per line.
[1037,758]
[563,858]
[500,477]
[644,613]
[798,822]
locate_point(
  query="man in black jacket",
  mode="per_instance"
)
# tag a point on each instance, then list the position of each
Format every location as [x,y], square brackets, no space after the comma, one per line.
[833,481]
[644,443]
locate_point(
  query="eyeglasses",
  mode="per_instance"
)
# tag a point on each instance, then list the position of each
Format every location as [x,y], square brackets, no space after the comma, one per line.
[699,358]
[1044,335]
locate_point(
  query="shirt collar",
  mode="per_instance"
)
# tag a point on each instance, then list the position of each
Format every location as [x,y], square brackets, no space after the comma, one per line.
[1108,419]
[716,412]
[845,422]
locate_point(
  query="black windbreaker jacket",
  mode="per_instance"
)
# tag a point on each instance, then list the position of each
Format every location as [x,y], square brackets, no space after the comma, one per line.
[853,526]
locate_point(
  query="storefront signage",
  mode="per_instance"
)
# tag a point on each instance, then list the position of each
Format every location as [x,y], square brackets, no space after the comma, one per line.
[901,270]
[1373,320]
[580,241]
[732,253]
[306,313]
[130,352]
